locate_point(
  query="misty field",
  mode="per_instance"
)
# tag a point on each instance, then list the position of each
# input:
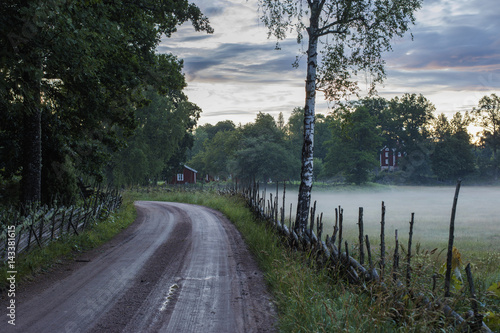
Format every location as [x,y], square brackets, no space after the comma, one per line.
[477,223]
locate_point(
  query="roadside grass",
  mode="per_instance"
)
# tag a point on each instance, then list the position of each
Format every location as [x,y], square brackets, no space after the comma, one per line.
[309,299]
[43,259]
[306,298]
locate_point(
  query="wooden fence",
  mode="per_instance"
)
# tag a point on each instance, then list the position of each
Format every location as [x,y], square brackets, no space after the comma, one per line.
[333,252]
[38,226]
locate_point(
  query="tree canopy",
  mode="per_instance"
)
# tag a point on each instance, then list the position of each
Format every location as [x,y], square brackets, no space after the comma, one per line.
[73,73]
[487,115]
[452,156]
[354,146]
[350,138]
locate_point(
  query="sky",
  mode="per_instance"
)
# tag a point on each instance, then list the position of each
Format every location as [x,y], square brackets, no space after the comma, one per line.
[236,72]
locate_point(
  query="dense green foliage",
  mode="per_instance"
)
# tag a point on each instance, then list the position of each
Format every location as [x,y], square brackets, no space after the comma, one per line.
[452,157]
[160,142]
[347,144]
[72,75]
[355,136]
[488,118]
[259,150]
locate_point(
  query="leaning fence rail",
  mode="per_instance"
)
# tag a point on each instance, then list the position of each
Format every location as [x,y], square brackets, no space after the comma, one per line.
[333,252]
[40,225]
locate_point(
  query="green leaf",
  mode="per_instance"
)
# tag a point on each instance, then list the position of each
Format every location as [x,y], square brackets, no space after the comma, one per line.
[495,289]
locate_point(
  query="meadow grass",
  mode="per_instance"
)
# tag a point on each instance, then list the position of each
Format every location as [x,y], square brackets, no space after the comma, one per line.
[310,299]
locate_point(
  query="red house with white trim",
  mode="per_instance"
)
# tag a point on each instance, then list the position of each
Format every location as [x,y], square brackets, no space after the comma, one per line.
[389,158]
[187,176]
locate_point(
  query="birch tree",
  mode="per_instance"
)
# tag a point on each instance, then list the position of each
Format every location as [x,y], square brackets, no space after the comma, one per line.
[345,38]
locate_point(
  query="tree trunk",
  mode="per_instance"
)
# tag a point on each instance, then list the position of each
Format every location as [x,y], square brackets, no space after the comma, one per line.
[306,174]
[32,156]
[32,140]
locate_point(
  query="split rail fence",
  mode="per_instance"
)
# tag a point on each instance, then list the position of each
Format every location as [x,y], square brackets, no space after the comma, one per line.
[333,252]
[39,226]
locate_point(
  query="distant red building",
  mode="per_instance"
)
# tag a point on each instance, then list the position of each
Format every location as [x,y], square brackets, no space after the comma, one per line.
[188,176]
[389,158]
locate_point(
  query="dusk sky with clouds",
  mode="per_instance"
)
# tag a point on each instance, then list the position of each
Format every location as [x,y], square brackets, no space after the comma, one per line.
[453,60]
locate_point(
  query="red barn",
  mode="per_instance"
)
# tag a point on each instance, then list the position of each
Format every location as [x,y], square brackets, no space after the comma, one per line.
[188,176]
[389,158]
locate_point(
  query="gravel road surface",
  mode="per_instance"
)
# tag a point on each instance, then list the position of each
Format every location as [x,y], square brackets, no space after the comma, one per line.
[177,268]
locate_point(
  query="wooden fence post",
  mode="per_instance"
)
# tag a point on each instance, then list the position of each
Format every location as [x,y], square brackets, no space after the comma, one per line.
[336,226]
[477,318]
[382,240]
[276,202]
[53,224]
[408,267]
[283,210]
[341,219]
[30,230]
[449,257]
[313,213]
[40,231]
[395,264]
[61,225]
[360,237]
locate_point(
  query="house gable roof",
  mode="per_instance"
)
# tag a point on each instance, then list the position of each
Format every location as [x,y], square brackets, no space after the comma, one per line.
[190,169]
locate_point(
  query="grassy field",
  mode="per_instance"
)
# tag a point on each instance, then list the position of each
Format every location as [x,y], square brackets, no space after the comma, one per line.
[314,300]
[308,299]
[477,224]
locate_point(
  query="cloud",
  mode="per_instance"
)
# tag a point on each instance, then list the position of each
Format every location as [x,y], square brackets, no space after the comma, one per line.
[236,72]
[242,62]
[454,57]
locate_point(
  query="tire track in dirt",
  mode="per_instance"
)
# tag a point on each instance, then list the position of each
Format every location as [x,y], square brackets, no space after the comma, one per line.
[178,268]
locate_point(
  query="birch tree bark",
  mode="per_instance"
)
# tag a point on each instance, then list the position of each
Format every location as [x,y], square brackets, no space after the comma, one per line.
[306,174]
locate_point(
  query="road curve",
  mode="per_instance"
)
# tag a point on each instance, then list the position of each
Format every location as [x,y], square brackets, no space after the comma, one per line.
[178,268]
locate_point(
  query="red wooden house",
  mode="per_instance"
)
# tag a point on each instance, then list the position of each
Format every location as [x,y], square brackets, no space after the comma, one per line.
[188,176]
[389,158]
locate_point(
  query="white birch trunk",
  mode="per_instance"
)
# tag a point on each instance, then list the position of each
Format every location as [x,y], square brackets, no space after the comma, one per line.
[306,174]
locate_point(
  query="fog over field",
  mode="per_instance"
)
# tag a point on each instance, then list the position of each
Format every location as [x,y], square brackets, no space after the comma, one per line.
[477,223]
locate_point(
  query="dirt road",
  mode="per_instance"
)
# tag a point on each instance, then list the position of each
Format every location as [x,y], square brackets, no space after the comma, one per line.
[178,268]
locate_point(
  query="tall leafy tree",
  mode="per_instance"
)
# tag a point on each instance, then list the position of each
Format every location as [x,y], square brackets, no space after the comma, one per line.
[354,145]
[281,121]
[322,134]
[214,146]
[295,129]
[86,63]
[219,151]
[162,128]
[354,34]
[407,121]
[263,153]
[452,156]
[487,115]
